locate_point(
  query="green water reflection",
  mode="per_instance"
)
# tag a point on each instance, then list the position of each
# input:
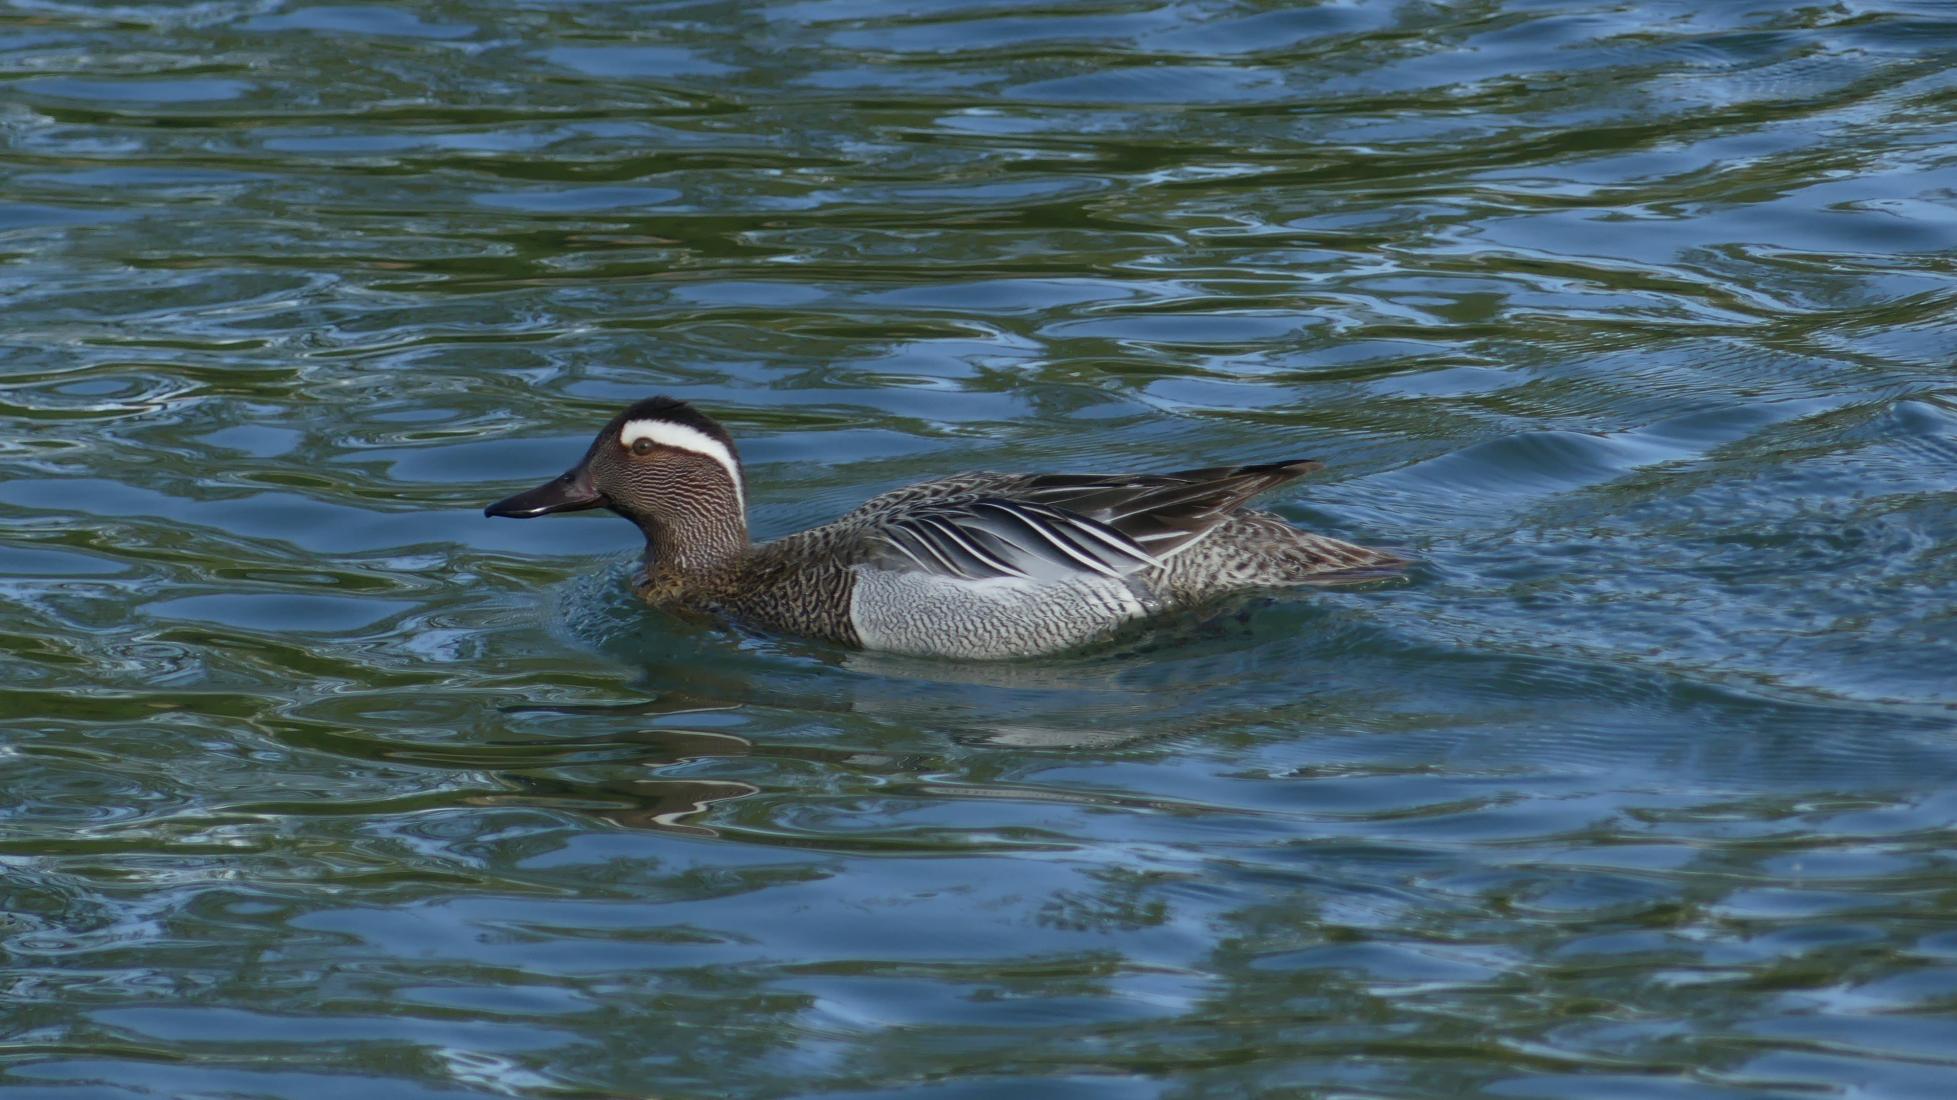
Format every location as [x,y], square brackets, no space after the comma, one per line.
[1633,322]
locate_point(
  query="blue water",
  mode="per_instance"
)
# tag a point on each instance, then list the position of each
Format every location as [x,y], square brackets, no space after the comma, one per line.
[1632,322]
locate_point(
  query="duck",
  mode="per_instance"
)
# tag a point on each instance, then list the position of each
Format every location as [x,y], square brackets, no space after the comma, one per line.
[977,565]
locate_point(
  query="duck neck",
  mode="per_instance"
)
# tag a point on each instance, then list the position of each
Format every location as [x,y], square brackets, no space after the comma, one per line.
[687,548]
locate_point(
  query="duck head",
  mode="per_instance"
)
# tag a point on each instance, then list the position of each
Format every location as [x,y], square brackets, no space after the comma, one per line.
[665,466]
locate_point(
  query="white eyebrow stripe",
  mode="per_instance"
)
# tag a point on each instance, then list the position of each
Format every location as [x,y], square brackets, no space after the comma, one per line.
[682,437]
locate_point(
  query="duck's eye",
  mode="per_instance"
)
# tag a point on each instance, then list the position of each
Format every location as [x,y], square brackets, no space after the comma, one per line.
[642,446]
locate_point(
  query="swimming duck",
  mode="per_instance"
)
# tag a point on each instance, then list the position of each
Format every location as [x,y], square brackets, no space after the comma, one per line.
[976,565]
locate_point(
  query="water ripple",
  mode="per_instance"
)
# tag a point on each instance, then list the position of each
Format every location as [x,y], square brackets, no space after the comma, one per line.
[1631,325]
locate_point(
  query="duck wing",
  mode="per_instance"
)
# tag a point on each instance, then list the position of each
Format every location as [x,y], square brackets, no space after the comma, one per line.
[992,537]
[1051,526]
[1164,513]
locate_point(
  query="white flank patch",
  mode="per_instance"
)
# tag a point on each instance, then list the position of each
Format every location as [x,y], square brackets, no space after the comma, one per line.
[668,434]
[905,611]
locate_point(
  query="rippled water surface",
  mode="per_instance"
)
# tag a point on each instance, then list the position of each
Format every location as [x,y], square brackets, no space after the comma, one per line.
[1634,321]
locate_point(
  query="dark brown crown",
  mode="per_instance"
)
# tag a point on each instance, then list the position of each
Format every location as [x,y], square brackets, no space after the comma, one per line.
[674,411]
